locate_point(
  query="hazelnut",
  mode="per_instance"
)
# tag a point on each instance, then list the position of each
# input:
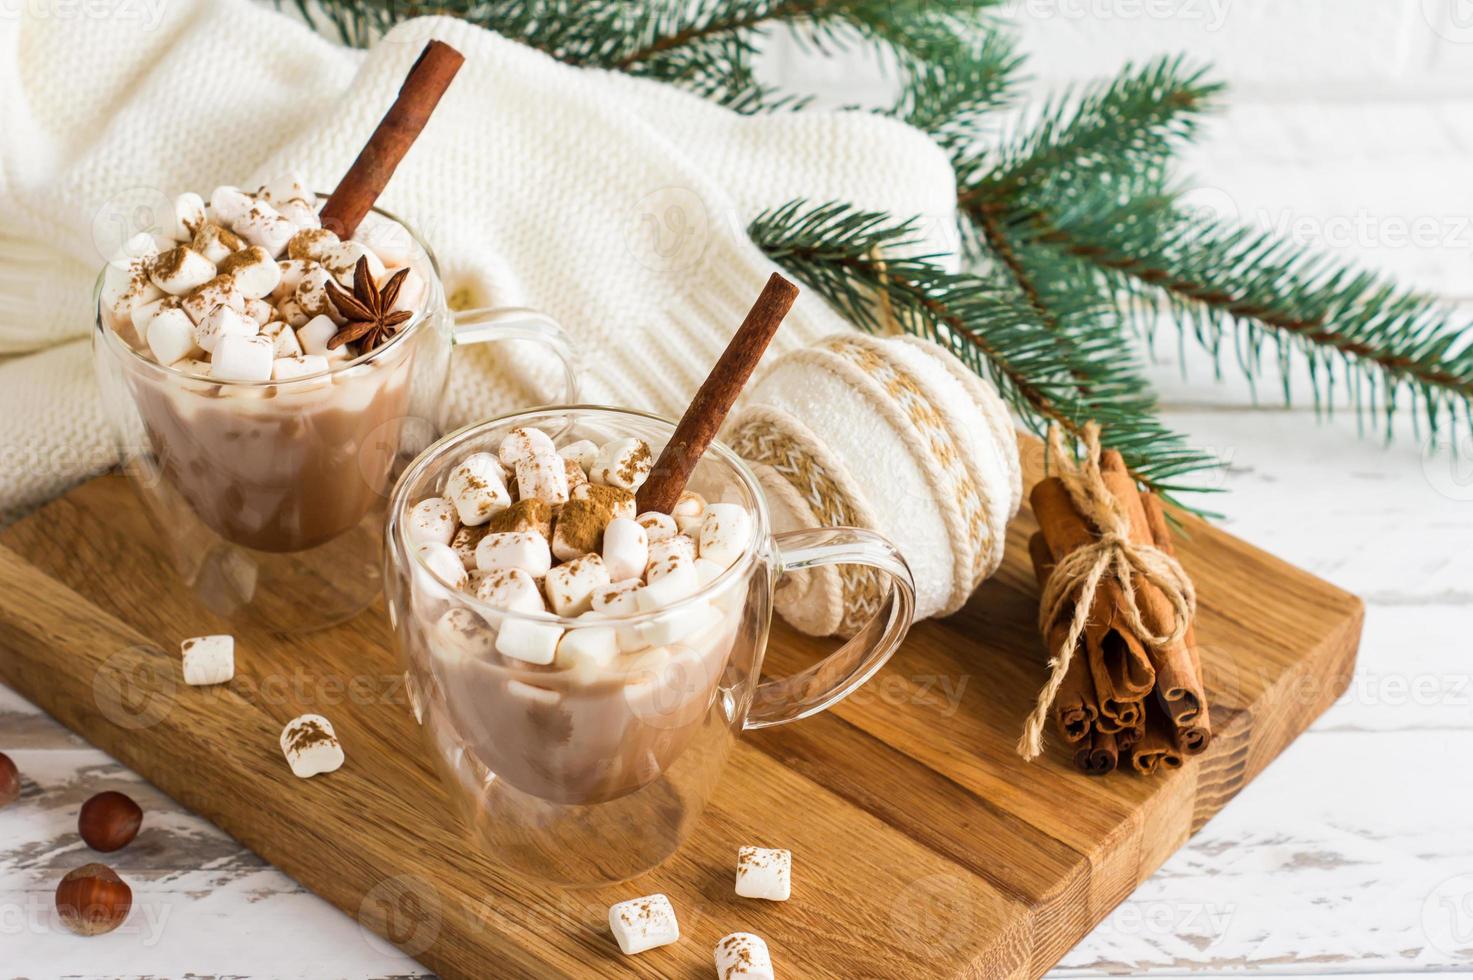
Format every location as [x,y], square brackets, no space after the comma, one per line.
[9,781]
[93,900]
[109,821]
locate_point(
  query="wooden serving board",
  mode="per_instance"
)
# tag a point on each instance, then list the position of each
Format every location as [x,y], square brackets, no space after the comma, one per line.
[922,845]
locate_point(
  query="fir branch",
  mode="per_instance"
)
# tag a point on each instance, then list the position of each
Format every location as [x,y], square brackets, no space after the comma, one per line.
[858,261]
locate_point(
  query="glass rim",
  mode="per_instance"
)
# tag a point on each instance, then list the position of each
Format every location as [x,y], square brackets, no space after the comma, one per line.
[116,343]
[399,505]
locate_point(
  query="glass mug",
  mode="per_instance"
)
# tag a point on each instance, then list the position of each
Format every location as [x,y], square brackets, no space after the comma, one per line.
[581,775]
[270,494]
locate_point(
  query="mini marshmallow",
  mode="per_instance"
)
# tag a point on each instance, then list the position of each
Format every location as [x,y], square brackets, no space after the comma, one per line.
[314,336]
[681,544]
[460,633]
[764,873]
[528,640]
[432,519]
[707,571]
[189,215]
[208,659]
[618,502]
[292,313]
[444,563]
[587,648]
[242,359]
[584,452]
[342,259]
[228,204]
[526,550]
[222,322]
[125,290]
[284,342]
[570,587]
[676,624]
[626,549]
[529,514]
[475,488]
[292,271]
[465,541]
[263,225]
[743,956]
[170,336]
[657,526]
[181,270]
[314,244]
[256,273]
[260,311]
[542,476]
[725,533]
[284,188]
[574,472]
[524,442]
[579,529]
[623,463]
[215,243]
[142,313]
[643,923]
[617,598]
[302,213]
[301,366]
[310,746]
[510,589]
[219,291]
[689,512]
[311,294]
[667,580]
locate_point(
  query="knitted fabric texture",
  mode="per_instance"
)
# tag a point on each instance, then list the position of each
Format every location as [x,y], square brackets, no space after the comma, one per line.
[617,205]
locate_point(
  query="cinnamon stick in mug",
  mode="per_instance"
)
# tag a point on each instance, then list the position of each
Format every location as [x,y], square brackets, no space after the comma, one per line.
[1075,707]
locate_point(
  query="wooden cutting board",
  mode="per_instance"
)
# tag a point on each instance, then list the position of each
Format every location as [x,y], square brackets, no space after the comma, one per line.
[922,845]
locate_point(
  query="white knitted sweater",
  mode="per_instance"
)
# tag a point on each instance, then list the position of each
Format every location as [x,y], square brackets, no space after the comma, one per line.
[614,204]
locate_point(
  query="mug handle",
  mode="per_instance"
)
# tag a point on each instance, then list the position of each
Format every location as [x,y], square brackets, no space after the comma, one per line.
[519,323]
[785,699]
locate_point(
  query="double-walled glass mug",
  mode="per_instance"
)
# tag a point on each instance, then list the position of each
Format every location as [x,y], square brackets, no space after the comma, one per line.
[587,773]
[271,494]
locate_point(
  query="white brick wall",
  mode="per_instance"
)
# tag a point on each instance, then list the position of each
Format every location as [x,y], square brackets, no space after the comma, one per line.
[1349,122]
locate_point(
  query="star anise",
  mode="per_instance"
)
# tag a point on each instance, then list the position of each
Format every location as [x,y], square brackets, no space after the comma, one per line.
[368,309]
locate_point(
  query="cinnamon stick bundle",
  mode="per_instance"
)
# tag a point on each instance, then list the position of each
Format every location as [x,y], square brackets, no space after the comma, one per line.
[1122,695]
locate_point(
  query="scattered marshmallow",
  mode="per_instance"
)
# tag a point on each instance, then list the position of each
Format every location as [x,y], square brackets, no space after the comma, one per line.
[432,519]
[256,272]
[689,512]
[623,463]
[242,359]
[523,442]
[219,291]
[284,342]
[180,270]
[526,550]
[543,476]
[444,563]
[764,873]
[170,336]
[310,746]
[263,225]
[643,923]
[743,956]
[657,526]
[476,489]
[214,242]
[208,659]
[682,545]
[725,533]
[626,548]
[584,452]
[511,590]
[570,587]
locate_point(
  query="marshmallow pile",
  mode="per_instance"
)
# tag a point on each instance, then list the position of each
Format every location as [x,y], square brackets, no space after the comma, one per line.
[534,528]
[236,287]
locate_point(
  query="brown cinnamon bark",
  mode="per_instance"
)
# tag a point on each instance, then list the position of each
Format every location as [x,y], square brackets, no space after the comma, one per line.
[1075,707]
[396,133]
[1193,728]
[1156,749]
[707,410]
[1119,666]
[1097,755]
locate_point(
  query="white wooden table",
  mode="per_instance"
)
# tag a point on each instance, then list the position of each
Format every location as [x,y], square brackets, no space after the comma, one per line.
[1350,855]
